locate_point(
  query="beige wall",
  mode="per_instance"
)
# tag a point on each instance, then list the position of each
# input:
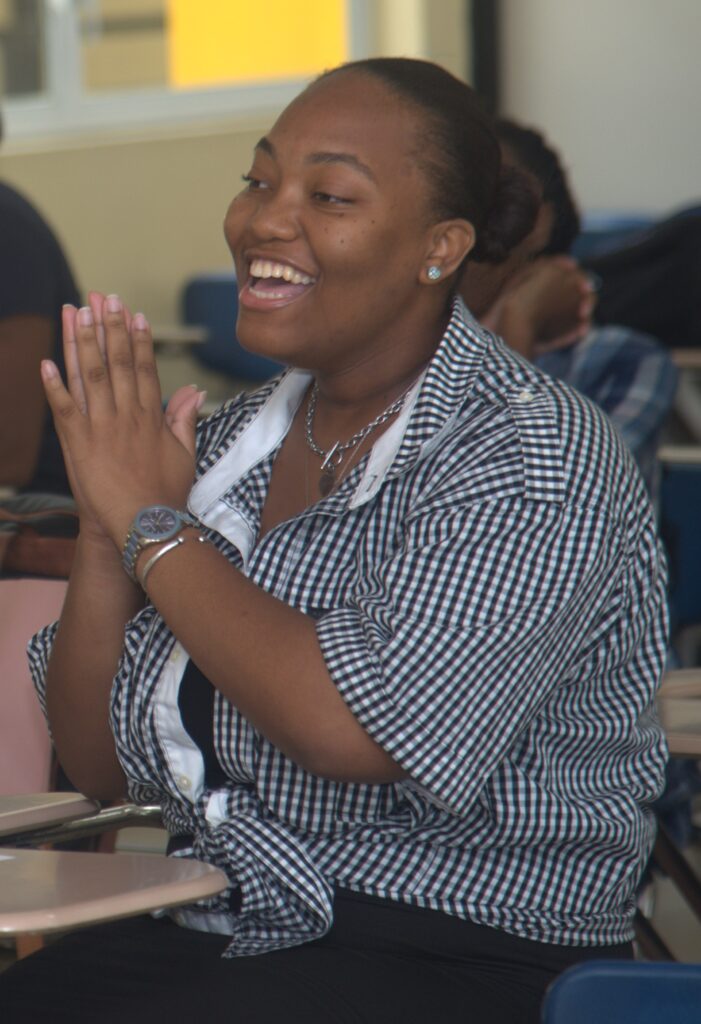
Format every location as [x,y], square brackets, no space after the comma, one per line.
[139,214]
[615,83]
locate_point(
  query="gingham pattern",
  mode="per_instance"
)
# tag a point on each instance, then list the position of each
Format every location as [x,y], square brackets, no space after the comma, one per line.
[490,602]
[628,375]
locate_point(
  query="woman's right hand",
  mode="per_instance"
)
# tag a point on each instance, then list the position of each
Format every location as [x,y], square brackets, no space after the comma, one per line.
[547,305]
[557,297]
[178,413]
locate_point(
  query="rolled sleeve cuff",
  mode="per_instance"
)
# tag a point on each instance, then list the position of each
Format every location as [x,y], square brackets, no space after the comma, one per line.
[38,652]
[439,769]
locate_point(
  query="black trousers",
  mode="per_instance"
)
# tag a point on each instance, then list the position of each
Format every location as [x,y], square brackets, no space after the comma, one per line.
[381,962]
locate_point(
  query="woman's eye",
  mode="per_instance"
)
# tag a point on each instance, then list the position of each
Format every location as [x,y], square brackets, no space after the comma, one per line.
[332,200]
[253,184]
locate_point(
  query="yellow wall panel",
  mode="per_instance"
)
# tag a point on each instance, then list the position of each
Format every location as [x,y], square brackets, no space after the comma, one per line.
[231,41]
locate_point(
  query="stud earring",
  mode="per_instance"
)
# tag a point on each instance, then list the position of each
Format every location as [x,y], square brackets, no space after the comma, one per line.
[433,273]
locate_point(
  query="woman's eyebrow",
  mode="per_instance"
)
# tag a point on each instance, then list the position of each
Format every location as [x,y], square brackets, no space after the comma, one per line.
[324,157]
[266,145]
[341,158]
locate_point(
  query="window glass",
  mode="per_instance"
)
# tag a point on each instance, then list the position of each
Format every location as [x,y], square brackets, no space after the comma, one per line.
[83,65]
[231,43]
[186,44]
[124,43]
[22,70]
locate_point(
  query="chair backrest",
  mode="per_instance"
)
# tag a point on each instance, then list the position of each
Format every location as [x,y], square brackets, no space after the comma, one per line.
[25,747]
[211,300]
[680,511]
[602,232]
[625,992]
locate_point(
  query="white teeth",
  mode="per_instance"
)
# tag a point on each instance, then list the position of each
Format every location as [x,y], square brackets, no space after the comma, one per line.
[266,268]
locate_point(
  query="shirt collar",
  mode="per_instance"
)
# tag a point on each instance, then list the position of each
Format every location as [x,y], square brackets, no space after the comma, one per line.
[432,404]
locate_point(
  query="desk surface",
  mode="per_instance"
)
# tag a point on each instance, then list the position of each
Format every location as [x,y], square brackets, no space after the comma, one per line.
[681,720]
[50,890]
[179,334]
[40,810]
[687,358]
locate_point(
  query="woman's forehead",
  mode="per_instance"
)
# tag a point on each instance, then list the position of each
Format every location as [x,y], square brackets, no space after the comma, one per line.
[350,107]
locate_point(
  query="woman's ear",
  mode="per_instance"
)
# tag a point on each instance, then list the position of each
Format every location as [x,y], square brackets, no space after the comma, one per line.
[449,243]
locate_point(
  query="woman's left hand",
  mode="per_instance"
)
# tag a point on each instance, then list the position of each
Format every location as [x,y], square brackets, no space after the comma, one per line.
[125,452]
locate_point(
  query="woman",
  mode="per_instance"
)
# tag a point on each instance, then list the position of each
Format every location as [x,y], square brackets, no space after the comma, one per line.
[396,665]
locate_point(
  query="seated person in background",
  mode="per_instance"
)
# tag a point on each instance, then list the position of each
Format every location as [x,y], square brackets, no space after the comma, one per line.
[394,669]
[541,303]
[35,282]
[651,279]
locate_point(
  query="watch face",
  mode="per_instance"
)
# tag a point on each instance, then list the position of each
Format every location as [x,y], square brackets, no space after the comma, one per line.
[158,521]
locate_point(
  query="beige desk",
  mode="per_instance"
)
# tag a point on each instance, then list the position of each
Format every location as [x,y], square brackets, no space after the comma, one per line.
[47,890]
[178,335]
[681,719]
[680,454]
[687,358]
[41,810]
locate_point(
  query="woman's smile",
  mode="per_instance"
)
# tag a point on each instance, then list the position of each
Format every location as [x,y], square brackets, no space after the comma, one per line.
[272,284]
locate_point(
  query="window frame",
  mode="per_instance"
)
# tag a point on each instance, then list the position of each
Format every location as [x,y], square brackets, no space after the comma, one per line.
[65,108]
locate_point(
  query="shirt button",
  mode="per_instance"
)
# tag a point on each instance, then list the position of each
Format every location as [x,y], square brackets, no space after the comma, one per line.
[526,396]
[184,782]
[173,657]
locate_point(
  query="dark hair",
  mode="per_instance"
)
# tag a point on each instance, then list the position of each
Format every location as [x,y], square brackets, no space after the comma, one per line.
[533,154]
[459,152]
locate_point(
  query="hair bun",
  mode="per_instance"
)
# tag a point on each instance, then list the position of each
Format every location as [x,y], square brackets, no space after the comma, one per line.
[511,218]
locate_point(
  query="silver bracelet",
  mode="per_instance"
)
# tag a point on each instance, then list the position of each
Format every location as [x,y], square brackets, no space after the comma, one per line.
[170,546]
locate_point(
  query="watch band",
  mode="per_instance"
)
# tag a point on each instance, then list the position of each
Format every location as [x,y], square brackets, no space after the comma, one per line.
[152,525]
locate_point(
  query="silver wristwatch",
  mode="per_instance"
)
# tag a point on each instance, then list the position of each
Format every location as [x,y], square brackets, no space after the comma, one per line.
[152,525]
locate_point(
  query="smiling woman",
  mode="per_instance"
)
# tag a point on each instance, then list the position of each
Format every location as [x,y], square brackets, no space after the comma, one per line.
[383,638]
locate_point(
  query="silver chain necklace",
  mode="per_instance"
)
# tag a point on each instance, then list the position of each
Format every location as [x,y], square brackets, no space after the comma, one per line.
[332,459]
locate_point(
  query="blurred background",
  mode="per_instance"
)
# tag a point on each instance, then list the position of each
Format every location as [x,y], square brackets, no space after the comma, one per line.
[129,122]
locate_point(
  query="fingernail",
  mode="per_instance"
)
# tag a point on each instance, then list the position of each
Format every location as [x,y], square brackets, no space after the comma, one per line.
[48,369]
[85,316]
[113,304]
[202,398]
[140,322]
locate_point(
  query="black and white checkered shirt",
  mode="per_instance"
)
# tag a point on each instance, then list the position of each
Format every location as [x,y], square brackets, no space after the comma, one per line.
[489,597]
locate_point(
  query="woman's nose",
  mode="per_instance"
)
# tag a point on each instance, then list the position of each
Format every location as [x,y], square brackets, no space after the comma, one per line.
[276,215]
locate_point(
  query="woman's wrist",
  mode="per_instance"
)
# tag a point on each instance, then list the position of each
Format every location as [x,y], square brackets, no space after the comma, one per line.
[149,557]
[100,554]
[517,325]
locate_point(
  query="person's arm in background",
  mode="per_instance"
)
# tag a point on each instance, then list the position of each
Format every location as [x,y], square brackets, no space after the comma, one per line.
[24,341]
[631,377]
[35,282]
[546,305]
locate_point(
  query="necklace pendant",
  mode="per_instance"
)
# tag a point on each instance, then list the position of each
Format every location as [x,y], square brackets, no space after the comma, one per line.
[327,480]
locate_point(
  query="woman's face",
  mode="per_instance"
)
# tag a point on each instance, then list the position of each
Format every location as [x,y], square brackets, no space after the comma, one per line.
[332,230]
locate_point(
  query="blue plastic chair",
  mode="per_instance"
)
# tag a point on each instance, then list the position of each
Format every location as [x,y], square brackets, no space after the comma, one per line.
[625,992]
[680,514]
[211,301]
[602,232]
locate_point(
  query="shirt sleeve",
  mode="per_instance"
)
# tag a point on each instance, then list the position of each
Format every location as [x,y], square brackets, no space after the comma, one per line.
[627,374]
[38,652]
[452,647]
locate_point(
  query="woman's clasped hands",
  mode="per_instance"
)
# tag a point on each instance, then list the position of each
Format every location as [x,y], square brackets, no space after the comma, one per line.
[122,450]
